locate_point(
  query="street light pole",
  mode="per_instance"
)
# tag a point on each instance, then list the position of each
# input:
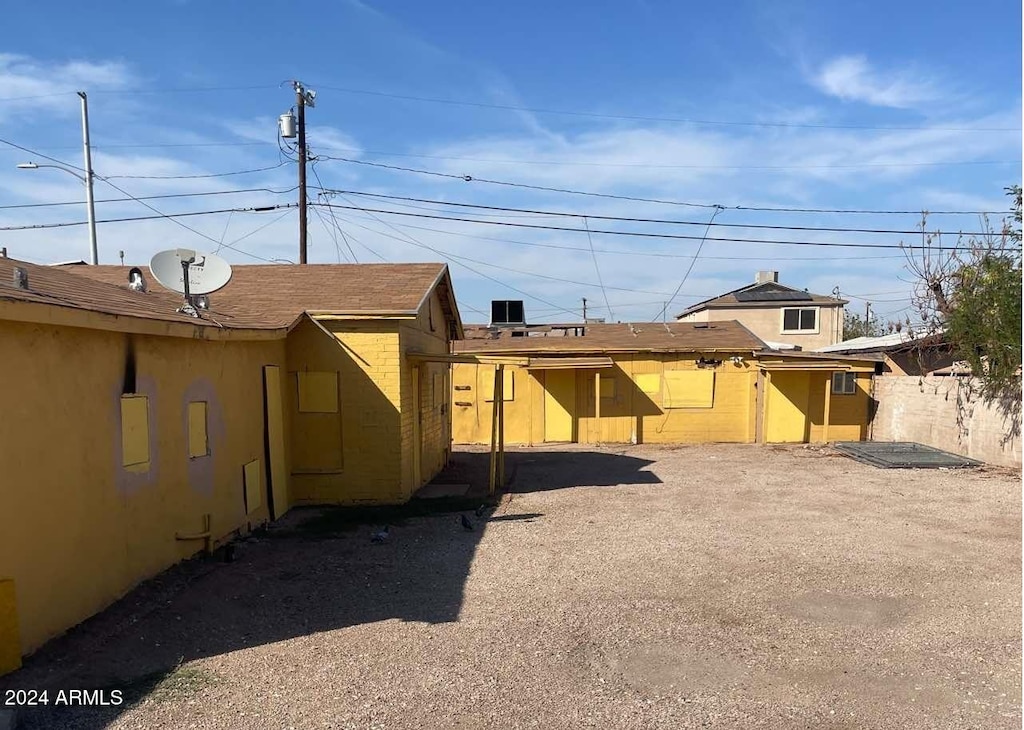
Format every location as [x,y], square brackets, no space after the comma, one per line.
[93,250]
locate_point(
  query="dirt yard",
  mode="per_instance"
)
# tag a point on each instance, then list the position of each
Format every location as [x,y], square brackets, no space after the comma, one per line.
[638,587]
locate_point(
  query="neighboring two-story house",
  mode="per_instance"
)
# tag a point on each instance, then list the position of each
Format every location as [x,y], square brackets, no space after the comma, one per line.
[784,317]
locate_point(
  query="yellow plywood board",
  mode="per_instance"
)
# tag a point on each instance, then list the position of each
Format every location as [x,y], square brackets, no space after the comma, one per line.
[318,392]
[253,486]
[608,387]
[788,403]
[649,383]
[559,404]
[508,384]
[134,430]
[689,389]
[10,643]
[198,444]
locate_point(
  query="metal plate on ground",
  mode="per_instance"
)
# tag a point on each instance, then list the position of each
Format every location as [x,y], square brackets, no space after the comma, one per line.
[903,455]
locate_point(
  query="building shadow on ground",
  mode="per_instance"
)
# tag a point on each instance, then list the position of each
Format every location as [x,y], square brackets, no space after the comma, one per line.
[317,570]
[540,470]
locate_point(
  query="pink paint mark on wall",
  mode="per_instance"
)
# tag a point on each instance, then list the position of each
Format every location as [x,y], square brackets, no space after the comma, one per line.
[202,475]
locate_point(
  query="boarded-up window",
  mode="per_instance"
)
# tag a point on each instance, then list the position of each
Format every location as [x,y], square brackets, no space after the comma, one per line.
[508,385]
[608,388]
[198,444]
[649,383]
[689,389]
[253,486]
[318,392]
[134,430]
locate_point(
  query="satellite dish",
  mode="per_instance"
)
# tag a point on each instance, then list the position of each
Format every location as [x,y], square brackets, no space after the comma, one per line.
[206,272]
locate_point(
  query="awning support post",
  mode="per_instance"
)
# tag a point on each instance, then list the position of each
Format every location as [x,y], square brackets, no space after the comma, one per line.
[828,404]
[501,427]
[497,438]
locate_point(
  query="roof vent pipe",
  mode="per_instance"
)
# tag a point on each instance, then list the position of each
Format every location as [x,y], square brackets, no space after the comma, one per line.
[20,278]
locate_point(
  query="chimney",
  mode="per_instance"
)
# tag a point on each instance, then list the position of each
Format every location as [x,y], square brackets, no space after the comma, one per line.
[20,278]
[765,277]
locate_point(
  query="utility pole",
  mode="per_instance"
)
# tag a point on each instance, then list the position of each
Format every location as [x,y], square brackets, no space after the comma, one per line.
[90,204]
[867,317]
[584,310]
[303,98]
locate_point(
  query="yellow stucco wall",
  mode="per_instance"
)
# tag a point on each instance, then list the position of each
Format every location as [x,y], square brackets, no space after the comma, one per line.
[627,412]
[78,528]
[472,412]
[364,452]
[795,410]
[352,455]
[427,333]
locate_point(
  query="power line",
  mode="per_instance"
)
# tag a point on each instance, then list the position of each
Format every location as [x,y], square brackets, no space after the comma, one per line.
[180,90]
[627,219]
[547,276]
[331,233]
[660,201]
[413,241]
[40,154]
[321,184]
[627,252]
[645,118]
[657,166]
[257,230]
[194,177]
[693,262]
[597,269]
[151,197]
[635,234]
[68,224]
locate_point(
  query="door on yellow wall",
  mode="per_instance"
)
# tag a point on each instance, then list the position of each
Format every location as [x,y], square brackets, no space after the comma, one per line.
[787,404]
[559,405]
[273,415]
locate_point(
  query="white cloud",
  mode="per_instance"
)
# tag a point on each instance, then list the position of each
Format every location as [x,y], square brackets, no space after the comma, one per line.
[851,78]
[27,83]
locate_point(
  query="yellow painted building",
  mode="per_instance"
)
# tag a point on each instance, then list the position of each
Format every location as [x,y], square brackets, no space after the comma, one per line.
[134,436]
[657,383]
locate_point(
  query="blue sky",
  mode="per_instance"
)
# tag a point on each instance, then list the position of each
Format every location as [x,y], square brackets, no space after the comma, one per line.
[812,105]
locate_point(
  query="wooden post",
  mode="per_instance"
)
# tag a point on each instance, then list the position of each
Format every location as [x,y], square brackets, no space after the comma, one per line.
[765,399]
[500,399]
[597,404]
[828,404]
[495,404]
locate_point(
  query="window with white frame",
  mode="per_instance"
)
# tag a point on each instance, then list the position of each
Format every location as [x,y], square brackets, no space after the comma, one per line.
[800,319]
[844,383]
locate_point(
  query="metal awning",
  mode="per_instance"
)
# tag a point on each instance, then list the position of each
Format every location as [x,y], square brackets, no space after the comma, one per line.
[902,455]
[566,363]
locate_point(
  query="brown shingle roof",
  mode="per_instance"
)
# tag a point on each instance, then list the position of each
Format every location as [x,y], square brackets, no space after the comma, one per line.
[276,294]
[65,287]
[641,337]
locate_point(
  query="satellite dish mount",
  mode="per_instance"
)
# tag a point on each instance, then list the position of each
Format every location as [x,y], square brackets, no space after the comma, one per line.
[189,306]
[193,274]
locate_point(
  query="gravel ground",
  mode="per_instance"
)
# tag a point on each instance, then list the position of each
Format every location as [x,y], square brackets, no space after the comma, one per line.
[637,587]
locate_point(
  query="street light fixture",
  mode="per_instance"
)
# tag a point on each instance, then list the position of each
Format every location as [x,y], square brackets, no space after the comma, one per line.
[86,178]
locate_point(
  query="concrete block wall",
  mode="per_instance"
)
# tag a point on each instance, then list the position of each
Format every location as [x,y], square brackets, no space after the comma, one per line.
[924,409]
